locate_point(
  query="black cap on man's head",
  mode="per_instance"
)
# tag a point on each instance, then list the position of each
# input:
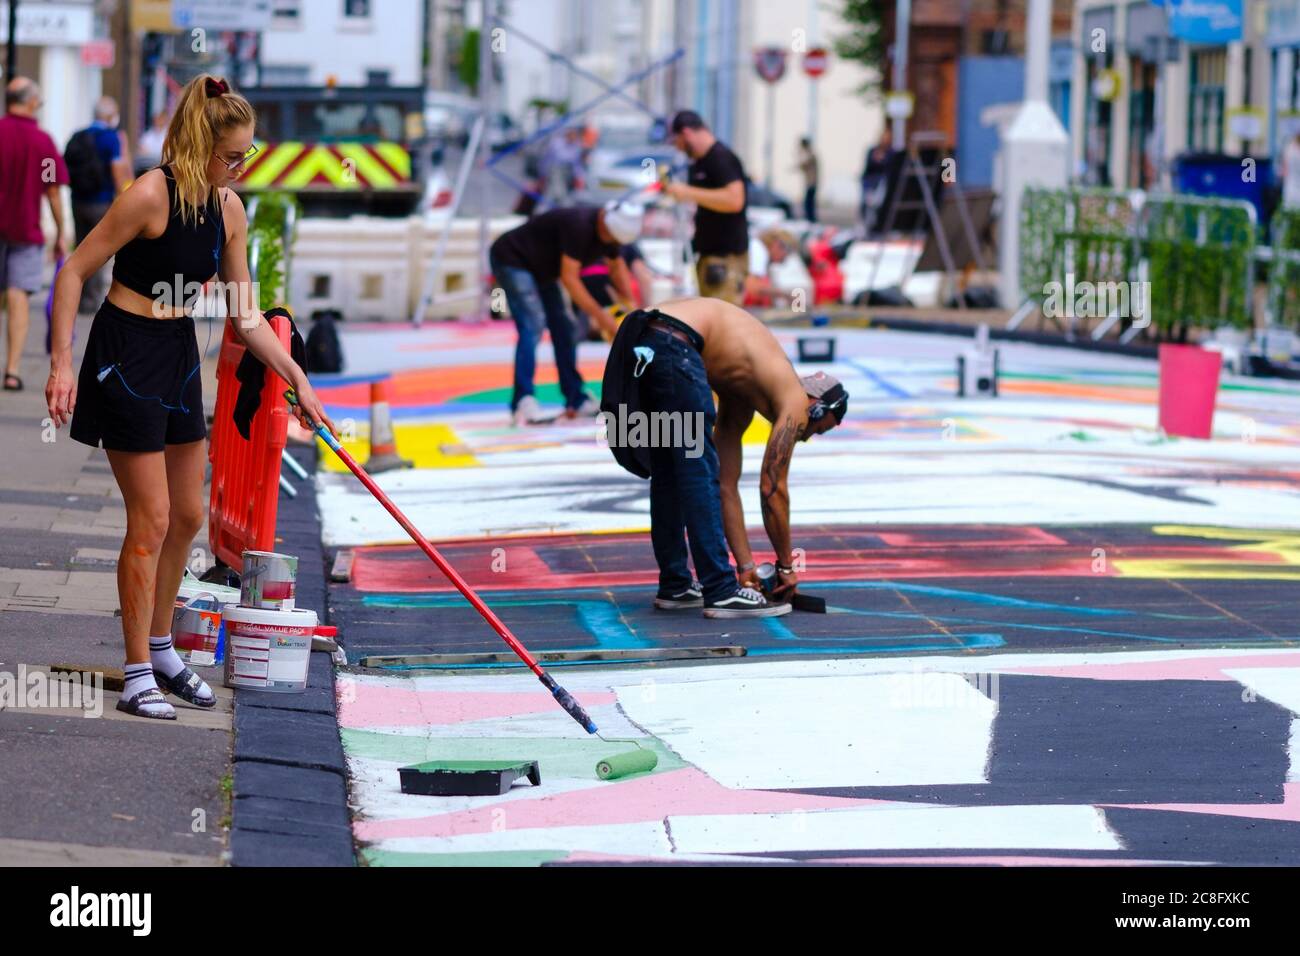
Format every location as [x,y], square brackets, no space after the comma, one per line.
[686,119]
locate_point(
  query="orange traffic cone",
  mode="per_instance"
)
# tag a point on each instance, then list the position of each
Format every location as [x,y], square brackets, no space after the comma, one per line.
[383,444]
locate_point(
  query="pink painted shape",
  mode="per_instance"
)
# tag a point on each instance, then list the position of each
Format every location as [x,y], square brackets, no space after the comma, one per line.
[1288,810]
[401,707]
[1188,668]
[686,792]
[983,861]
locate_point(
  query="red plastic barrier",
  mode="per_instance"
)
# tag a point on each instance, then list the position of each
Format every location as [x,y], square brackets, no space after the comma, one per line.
[246,474]
[1189,385]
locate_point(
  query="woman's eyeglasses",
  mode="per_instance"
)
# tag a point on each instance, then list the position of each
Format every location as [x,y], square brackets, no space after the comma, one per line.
[231,167]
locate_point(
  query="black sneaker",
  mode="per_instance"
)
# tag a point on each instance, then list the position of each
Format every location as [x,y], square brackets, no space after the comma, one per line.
[747,602]
[691,597]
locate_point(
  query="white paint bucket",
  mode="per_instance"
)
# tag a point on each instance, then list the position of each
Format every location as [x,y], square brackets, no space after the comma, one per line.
[269,580]
[196,630]
[268,650]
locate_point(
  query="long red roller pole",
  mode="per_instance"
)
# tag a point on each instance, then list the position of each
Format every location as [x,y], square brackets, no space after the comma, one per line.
[562,696]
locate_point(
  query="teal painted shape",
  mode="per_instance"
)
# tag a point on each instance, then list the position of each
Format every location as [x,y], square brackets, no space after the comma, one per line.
[600,618]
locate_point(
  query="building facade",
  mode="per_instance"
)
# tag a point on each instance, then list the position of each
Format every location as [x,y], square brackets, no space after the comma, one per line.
[1141,99]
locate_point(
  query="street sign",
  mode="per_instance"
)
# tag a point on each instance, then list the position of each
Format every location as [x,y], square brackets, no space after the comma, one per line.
[1247,122]
[50,24]
[769,61]
[1106,85]
[100,53]
[898,105]
[815,62]
[222,14]
[1206,21]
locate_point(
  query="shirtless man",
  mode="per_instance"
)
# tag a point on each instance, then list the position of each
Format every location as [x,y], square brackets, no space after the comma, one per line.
[701,346]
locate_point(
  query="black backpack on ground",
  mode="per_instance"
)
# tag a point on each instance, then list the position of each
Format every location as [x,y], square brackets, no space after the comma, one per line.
[87,171]
[620,386]
[324,353]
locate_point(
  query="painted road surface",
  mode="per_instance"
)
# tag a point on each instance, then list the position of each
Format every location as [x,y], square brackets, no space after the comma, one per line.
[1054,637]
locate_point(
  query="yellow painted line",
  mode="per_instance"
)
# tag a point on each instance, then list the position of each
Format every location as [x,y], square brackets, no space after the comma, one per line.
[1284,546]
[423,444]
[757,433]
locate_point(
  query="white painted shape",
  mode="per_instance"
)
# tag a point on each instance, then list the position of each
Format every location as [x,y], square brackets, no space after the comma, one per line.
[894,828]
[1281,685]
[758,733]
[1293,751]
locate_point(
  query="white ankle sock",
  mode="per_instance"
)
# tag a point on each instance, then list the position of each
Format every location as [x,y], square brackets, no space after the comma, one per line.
[139,677]
[164,657]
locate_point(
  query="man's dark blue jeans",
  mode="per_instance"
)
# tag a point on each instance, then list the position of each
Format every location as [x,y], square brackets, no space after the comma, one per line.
[536,307]
[684,497]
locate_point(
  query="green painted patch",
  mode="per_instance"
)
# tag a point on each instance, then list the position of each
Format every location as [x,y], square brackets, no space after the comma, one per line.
[374,857]
[546,394]
[558,758]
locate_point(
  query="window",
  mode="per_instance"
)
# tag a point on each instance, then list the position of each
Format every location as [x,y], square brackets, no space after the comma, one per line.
[379,77]
[356,9]
[1141,123]
[1205,93]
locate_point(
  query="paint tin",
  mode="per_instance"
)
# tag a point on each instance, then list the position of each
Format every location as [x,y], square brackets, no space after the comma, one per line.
[196,630]
[269,580]
[268,650]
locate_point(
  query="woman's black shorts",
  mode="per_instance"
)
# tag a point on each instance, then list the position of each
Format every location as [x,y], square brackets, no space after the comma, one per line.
[139,387]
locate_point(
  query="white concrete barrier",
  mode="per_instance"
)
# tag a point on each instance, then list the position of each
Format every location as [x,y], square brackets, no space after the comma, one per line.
[374,269]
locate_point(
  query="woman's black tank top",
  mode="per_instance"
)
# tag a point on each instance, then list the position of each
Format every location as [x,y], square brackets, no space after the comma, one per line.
[169,269]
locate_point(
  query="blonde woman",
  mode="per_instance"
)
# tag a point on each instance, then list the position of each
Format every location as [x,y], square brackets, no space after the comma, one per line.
[138,393]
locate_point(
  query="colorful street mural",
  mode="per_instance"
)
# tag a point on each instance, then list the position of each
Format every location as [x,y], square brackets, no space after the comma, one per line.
[1053,637]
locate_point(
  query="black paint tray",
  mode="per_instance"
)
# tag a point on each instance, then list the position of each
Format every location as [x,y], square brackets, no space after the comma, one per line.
[467,778]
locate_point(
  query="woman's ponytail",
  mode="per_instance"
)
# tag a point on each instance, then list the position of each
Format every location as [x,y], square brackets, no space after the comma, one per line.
[206,111]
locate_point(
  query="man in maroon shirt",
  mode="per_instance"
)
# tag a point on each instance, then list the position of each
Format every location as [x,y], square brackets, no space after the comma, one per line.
[30,167]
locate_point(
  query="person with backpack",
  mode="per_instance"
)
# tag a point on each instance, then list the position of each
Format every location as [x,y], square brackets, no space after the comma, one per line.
[31,169]
[99,168]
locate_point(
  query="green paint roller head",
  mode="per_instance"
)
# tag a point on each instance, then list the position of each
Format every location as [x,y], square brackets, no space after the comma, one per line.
[637,761]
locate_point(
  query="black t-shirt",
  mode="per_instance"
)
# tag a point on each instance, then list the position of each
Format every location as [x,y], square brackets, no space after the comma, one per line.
[538,244]
[719,233]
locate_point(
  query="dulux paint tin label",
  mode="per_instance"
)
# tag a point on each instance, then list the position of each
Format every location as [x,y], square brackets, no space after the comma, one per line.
[269,580]
[268,650]
[196,630]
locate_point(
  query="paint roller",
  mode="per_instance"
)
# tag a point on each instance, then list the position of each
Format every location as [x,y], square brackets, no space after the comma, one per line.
[614,767]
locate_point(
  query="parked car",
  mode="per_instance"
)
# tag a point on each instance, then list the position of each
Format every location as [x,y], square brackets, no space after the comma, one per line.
[631,169]
[760,197]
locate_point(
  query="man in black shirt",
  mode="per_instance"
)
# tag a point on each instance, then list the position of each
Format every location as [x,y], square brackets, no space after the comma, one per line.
[717,187]
[531,263]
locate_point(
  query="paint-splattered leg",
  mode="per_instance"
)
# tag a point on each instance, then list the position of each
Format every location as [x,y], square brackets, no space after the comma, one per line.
[185,464]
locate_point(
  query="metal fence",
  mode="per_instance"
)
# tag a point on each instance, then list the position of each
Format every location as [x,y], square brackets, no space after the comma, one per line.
[1148,263]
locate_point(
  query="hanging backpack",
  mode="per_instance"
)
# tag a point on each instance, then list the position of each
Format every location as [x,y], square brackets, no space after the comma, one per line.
[87,172]
[324,353]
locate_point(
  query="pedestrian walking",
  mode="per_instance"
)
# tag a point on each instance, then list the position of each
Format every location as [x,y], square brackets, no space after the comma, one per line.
[31,169]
